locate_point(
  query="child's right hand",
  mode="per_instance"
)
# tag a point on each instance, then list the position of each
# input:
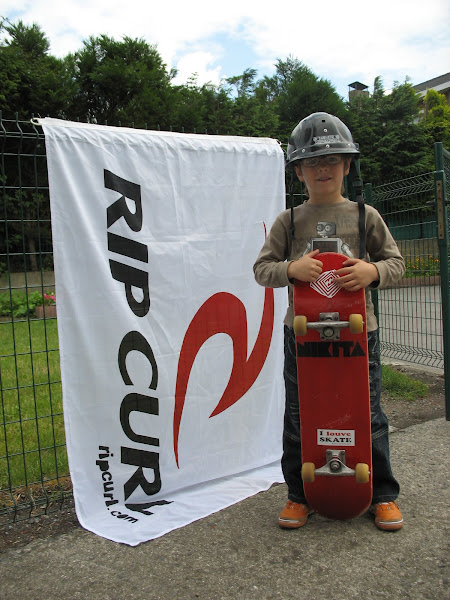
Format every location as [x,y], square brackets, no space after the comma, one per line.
[306,268]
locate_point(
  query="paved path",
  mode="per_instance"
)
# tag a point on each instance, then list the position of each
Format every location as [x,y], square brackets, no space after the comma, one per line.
[241,554]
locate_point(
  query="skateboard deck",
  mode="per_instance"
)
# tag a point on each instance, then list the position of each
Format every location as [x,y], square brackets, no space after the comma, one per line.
[333,385]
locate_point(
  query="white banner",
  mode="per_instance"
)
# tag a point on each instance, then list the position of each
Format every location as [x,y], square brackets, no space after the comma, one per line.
[171,354]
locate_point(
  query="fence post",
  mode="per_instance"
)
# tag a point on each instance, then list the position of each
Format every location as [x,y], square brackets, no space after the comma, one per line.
[442,224]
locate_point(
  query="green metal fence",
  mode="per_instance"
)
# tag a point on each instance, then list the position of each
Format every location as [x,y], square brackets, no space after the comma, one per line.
[409,314]
[414,316]
[34,474]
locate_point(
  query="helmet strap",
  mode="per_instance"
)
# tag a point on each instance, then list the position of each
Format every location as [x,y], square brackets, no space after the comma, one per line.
[359,198]
[362,226]
[291,202]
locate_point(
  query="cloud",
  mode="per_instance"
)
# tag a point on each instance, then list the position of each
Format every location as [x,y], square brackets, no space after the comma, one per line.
[338,41]
[341,39]
[197,64]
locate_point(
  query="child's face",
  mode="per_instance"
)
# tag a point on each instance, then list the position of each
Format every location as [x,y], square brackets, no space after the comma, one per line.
[324,179]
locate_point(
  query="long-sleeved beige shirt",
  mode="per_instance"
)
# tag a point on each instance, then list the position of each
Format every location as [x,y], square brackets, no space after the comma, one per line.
[314,224]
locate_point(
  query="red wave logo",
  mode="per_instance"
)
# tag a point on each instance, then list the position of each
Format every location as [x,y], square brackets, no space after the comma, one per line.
[223,313]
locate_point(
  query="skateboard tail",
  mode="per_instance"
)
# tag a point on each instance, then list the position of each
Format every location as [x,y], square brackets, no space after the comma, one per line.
[348,505]
[339,497]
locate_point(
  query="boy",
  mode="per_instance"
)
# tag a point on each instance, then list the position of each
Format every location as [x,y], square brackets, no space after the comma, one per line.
[320,151]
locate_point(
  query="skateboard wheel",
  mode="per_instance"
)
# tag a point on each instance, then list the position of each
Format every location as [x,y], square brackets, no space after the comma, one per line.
[308,470]
[362,473]
[356,323]
[300,325]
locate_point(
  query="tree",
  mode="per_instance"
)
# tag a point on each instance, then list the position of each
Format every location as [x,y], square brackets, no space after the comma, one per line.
[252,114]
[436,118]
[297,92]
[120,82]
[205,108]
[32,80]
[364,122]
[386,127]
[218,109]
[244,83]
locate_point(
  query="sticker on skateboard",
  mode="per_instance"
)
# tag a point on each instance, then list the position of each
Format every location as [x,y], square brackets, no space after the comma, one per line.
[325,437]
[326,284]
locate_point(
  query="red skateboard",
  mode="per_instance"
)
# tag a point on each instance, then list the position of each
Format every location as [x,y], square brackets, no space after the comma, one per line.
[333,386]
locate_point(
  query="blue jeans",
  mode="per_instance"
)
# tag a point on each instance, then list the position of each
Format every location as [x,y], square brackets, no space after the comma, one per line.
[385,486]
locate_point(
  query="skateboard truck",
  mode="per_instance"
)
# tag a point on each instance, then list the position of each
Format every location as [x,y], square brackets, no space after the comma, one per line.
[335,466]
[329,326]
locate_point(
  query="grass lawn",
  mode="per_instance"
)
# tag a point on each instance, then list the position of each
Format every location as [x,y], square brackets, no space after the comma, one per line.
[400,385]
[32,439]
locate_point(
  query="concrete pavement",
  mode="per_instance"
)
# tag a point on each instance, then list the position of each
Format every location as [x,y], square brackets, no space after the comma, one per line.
[240,552]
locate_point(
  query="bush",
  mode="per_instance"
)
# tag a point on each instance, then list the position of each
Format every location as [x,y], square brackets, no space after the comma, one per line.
[19,304]
[422,266]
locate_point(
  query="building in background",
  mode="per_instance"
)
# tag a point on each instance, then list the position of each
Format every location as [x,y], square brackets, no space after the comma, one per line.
[357,89]
[441,84]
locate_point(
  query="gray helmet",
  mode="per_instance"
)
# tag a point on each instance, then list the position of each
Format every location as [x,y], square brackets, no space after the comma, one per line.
[320,134]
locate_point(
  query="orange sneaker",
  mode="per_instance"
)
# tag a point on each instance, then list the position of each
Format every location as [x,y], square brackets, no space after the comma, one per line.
[387,516]
[293,515]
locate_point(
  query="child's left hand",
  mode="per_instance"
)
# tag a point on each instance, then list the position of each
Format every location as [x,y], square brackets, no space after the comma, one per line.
[356,274]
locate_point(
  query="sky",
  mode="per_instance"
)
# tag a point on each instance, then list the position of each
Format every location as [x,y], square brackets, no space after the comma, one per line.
[341,41]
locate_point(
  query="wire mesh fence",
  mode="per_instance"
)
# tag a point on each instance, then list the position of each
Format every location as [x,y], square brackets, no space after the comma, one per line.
[410,315]
[34,473]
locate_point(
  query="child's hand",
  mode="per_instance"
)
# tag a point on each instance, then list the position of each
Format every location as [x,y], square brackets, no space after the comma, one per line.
[356,274]
[306,268]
